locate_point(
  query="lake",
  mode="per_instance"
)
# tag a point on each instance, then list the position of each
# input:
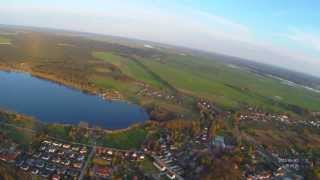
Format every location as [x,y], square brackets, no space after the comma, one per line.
[54,103]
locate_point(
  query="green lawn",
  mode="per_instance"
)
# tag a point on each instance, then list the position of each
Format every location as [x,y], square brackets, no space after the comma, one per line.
[129,139]
[148,167]
[228,86]
[129,67]
[5,40]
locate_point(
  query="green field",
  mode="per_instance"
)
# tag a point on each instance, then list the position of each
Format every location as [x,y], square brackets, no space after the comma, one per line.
[5,40]
[129,139]
[91,65]
[228,86]
[129,67]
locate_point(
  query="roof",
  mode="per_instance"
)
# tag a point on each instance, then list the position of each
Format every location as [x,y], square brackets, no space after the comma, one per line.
[218,140]
[103,171]
[8,157]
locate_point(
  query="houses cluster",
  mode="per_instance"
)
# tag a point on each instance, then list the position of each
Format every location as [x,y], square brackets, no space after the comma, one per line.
[266,117]
[315,123]
[224,143]
[204,104]
[111,95]
[202,138]
[279,173]
[9,155]
[8,150]
[283,118]
[147,91]
[107,156]
[293,162]
[260,176]
[55,160]
[276,165]
[166,161]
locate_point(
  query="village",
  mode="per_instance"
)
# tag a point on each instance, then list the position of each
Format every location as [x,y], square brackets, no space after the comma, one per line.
[148,91]
[183,152]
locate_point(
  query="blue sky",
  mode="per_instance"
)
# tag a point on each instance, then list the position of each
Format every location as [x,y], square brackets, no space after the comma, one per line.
[285,33]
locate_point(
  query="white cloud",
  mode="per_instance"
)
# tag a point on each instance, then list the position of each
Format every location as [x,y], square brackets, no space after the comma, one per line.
[307,39]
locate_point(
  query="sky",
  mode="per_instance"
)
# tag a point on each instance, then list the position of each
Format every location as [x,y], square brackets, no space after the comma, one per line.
[285,33]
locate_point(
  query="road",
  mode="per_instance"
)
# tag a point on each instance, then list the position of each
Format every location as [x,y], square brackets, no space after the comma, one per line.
[83,171]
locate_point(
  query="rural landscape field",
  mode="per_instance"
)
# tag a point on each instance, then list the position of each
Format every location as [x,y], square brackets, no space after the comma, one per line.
[187,96]
[159,90]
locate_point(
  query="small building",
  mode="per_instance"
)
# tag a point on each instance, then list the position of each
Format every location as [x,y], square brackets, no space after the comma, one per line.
[103,172]
[171,175]
[160,166]
[218,141]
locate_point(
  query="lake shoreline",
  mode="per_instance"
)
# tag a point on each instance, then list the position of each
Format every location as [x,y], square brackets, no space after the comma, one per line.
[105,130]
[87,90]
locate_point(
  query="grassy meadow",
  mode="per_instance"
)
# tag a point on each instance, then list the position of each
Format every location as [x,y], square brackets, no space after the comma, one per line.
[129,139]
[5,40]
[228,86]
[129,67]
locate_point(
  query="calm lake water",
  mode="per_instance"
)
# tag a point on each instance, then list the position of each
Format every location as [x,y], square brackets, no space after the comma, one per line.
[53,103]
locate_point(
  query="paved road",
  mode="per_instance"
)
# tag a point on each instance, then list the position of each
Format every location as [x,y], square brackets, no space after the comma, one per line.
[83,171]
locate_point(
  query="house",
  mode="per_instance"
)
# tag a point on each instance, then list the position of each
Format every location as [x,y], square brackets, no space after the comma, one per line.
[160,166]
[83,151]
[39,164]
[19,163]
[75,148]
[65,162]
[56,177]
[226,143]
[171,175]
[8,157]
[25,167]
[35,171]
[46,142]
[50,167]
[66,146]
[103,172]
[45,157]
[109,152]
[57,144]
[77,165]
[52,150]
[61,171]
[80,158]
[218,141]
[37,155]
